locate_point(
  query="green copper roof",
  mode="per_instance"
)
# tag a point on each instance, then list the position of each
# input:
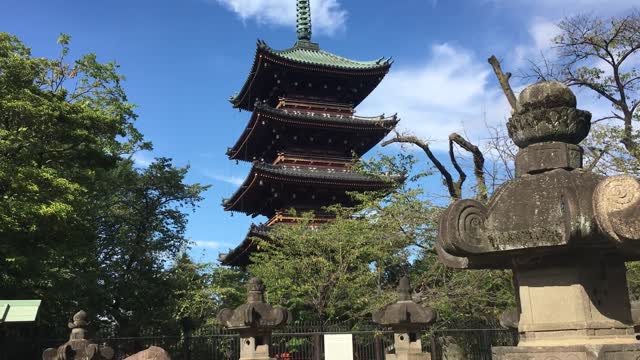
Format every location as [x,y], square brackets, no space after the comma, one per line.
[307,52]
[303,21]
[19,310]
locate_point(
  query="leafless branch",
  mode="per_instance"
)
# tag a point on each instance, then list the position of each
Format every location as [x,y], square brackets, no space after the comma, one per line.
[478,162]
[504,82]
[454,191]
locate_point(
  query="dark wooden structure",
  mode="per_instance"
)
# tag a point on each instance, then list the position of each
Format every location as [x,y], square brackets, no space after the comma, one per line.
[303,135]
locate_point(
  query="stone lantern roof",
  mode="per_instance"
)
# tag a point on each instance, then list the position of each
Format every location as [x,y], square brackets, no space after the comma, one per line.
[255,314]
[404,314]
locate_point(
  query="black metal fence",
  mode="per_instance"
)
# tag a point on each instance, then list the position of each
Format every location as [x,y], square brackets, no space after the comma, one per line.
[292,345]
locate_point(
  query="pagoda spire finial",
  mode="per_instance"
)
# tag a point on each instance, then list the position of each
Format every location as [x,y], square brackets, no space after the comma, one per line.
[303,19]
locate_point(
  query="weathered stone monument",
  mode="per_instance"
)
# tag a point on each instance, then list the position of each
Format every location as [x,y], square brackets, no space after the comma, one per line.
[152,353]
[563,230]
[79,346]
[254,321]
[406,318]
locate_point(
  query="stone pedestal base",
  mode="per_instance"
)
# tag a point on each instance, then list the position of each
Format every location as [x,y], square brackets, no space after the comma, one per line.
[408,347]
[584,301]
[407,356]
[254,346]
[576,352]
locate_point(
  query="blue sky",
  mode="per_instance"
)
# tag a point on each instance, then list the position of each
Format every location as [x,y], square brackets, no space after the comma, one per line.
[184,58]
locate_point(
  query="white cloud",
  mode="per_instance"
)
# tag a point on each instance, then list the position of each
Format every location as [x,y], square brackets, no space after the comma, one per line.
[328,16]
[541,32]
[450,91]
[233,180]
[207,244]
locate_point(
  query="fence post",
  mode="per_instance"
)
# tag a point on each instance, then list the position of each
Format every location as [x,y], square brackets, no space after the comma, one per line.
[187,325]
[317,346]
[434,346]
[378,346]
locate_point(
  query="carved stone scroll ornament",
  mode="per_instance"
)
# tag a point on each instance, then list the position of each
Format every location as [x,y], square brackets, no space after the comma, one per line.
[462,228]
[616,203]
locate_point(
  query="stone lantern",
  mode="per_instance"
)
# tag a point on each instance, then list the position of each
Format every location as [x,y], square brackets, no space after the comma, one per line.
[79,347]
[254,321]
[563,230]
[406,318]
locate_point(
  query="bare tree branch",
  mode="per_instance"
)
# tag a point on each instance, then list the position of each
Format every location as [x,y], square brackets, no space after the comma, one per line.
[504,82]
[453,190]
[462,176]
[478,162]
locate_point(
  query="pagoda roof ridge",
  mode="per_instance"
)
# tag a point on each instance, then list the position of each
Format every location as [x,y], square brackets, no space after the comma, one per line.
[310,53]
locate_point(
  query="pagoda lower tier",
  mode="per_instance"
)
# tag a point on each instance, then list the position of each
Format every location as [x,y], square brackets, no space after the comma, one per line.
[269,188]
[240,255]
[331,133]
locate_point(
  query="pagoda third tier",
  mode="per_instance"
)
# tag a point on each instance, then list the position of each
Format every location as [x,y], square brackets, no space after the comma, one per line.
[269,188]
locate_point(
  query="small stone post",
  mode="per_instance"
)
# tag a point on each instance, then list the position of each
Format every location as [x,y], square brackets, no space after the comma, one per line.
[565,231]
[406,318]
[254,321]
[79,347]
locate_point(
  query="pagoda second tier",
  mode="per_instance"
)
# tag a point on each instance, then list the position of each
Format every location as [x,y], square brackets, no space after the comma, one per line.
[306,71]
[270,188]
[274,130]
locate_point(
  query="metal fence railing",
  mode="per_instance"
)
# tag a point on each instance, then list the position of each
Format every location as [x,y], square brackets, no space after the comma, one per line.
[474,344]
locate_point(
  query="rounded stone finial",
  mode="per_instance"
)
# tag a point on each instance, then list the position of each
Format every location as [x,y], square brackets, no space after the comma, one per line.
[546,95]
[79,320]
[547,113]
[255,284]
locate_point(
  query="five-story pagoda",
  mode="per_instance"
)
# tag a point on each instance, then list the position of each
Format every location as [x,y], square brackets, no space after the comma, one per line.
[303,135]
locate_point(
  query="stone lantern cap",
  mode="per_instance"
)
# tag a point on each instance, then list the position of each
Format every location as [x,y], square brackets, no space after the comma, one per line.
[255,314]
[554,207]
[547,112]
[79,346]
[404,314]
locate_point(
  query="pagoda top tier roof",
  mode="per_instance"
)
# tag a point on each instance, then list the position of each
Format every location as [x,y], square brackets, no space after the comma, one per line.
[295,70]
[308,71]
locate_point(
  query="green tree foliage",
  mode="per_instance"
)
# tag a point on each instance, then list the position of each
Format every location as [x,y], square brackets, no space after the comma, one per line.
[80,225]
[601,55]
[348,268]
[340,270]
